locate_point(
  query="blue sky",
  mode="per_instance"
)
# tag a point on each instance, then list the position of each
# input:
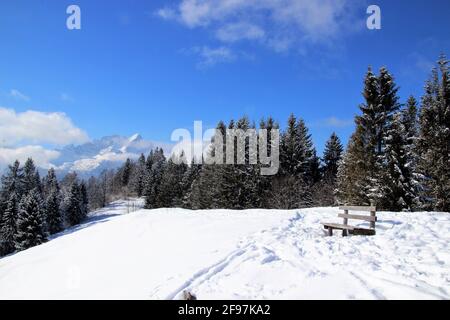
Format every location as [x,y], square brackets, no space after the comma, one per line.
[154,66]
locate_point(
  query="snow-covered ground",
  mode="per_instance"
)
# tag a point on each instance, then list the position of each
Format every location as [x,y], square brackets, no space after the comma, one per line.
[252,254]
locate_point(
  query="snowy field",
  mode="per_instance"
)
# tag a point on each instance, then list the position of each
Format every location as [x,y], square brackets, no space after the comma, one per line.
[223,254]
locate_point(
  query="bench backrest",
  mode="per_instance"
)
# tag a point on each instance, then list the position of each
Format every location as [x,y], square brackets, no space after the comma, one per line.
[372,218]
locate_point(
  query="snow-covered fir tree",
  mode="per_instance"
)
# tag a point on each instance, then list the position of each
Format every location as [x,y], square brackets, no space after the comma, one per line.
[11,182]
[314,169]
[189,180]
[126,172]
[246,175]
[31,178]
[265,183]
[398,171]
[296,159]
[27,217]
[381,103]
[52,207]
[30,223]
[156,163]
[332,155]
[324,189]
[138,176]
[52,202]
[434,140]
[304,153]
[8,225]
[352,179]
[73,205]
[210,189]
[410,121]
[84,200]
[171,189]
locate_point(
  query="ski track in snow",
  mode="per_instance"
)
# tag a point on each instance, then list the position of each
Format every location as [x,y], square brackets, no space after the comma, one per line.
[286,245]
[223,254]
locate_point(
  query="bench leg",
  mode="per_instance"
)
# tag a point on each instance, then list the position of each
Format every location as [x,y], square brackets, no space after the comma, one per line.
[344,233]
[330,231]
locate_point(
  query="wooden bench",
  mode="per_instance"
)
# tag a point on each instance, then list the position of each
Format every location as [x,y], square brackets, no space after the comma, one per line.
[348,229]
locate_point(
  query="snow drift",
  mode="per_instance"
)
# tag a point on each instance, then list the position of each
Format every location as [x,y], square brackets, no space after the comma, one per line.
[225,254]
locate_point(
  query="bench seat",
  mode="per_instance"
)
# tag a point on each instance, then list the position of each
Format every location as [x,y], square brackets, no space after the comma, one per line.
[348,229]
[357,231]
[337,226]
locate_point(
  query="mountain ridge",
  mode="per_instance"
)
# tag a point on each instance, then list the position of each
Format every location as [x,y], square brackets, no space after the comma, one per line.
[108,152]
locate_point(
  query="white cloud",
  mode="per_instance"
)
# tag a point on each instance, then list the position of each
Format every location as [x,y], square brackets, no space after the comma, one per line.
[33,127]
[212,56]
[166,13]
[280,24]
[240,31]
[16,94]
[40,155]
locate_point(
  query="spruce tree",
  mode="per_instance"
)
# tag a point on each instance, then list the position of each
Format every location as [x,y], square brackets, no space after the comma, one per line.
[244,175]
[30,226]
[190,180]
[410,121]
[298,160]
[8,228]
[398,175]
[52,202]
[31,179]
[389,103]
[126,173]
[324,189]
[156,163]
[434,140]
[204,187]
[84,201]
[52,206]
[332,155]
[49,182]
[304,153]
[372,124]
[352,179]
[314,169]
[265,183]
[171,189]
[12,182]
[73,205]
[288,147]
[95,194]
[213,188]
[381,102]
[139,175]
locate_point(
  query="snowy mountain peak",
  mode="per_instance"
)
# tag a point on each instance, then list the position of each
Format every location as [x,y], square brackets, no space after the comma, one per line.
[135,137]
[105,153]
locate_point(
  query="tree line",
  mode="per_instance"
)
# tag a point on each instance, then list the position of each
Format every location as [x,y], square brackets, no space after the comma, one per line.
[32,209]
[397,157]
